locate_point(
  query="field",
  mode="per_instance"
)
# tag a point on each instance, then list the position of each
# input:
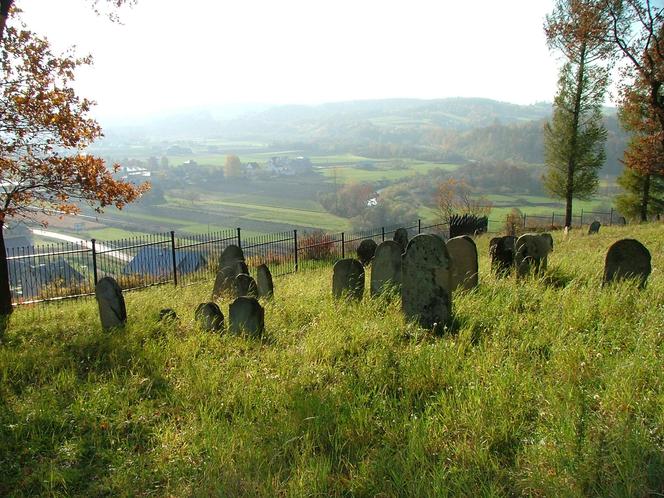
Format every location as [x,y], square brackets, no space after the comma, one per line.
[546,387]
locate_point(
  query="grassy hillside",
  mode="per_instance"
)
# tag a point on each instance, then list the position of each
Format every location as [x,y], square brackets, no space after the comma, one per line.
[547,387]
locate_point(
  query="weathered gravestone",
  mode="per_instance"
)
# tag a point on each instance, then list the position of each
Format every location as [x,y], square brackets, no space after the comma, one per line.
[463,253]
[348,279]
[426,294]
[264,282]
[244,285]
[627,258]
[246,315]
[401,237]
[501,250]
[230,255]
[366,251]
[167,314]
[386,267]
[112,309]
[531,252]
[594,227]
[225,278]
[622,220]
[210,317]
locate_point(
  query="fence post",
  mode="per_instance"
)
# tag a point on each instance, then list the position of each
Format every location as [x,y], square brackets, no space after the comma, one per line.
[94,261]
[553,219]
[382,230]
[419,226]
[175,266]
[239,238]
[611,218]
[581,222]
[295,244]
[524,220]
[343,246]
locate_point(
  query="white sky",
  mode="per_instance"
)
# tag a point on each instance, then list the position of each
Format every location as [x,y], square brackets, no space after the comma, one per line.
[302,51]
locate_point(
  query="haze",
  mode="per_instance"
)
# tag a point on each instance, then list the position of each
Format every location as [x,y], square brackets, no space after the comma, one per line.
[166,57]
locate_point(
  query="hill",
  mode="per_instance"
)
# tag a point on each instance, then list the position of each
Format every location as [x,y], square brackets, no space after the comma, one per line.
[551,386]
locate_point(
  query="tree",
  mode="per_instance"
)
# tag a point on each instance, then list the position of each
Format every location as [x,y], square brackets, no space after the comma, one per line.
[233,167]
[630,202]
[456,197]
[574,138]
[44,130]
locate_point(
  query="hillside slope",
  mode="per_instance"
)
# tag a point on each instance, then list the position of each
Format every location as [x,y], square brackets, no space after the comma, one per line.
[545,387]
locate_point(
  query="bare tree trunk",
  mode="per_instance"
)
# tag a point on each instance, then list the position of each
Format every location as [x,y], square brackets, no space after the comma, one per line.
[645,198]
[5,291]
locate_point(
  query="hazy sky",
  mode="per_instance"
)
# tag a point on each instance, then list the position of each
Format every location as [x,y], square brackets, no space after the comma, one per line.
[302,51]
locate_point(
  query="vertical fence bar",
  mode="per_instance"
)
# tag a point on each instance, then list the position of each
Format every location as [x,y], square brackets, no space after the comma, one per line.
[295,247]
[343,246]
[553,219]
[239,237]
[419,226]
[175,266]
[94,261]
[382,233]
[524,220]
[581,222]
[611,217]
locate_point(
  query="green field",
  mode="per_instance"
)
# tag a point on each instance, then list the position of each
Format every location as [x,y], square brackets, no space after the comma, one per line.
[345,174]
[542,387]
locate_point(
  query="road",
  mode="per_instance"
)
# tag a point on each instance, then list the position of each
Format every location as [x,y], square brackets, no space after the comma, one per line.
[119,255]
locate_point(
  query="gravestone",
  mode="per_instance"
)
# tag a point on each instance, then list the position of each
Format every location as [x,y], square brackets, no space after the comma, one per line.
[622,220]
[244,285]
[348,279]
[531,252]
[401,237]
[366,251]
[627,258]
[463,253]
[167,314]
[501,250]
[112,309]
[230,255]
[246,315]
[225,278]
[426,281]
[210,317]
[386,267]
[594,227]
[264,282]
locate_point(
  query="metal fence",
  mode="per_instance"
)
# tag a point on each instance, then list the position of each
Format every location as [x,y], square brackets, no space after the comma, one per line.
[67,270]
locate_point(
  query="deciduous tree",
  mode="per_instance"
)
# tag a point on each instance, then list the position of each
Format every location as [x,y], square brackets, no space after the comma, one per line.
[233,167]
[457,197]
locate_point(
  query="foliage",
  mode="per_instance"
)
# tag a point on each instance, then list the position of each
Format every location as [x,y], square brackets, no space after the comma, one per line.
[540,390]
[629,203]
[456,197]
[386,213]
[317,245]
[233,167]
[348,200]
[513,222]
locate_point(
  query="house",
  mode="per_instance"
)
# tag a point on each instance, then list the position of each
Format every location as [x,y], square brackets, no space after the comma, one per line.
[158,262]
[29,278]
[251,169]
[288,167]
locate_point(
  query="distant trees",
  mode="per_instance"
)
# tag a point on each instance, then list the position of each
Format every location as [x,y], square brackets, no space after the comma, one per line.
[387,212]
[574,138]
[457,197]
[348,200]
[233,167]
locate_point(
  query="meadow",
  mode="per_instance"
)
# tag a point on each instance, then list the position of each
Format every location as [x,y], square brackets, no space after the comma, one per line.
[551,386]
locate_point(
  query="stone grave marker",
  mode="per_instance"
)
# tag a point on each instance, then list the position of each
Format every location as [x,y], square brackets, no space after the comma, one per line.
[366,251]
[348,279]
[210,317]
[244,285]
[531,252]
[401,237]
[264,282]
[622,220]
[463,253]
[246,315]
[627,258]
[167,314]
[230,255]
[594,227]
[501,250]
[386,267]
[426,294]
[111,303]
[225,278]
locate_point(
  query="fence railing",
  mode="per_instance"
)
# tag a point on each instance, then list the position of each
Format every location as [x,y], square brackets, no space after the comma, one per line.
[66,270]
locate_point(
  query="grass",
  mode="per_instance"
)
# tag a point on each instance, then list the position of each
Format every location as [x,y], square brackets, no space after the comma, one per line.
[345,174]
[549,386]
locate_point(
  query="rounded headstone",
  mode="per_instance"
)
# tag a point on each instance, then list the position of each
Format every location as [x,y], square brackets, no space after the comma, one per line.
[627,258]
[501,250]
[246,315]
[244,285]
[366,251]
[426,294]
[230,255]
[111,303]
[210,317]
[167,314]
[348,279]
[401,238]
[463,253]
[594,227]
[531,252]
[386,267]
[622,220]
[225,278]
[264,282]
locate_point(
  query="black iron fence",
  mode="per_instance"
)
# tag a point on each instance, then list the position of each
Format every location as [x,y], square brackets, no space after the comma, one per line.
[66,270]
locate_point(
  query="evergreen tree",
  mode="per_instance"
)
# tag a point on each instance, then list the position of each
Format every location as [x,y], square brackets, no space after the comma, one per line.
[630,202]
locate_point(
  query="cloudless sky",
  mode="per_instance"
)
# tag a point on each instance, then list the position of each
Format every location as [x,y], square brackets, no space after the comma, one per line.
[169,54]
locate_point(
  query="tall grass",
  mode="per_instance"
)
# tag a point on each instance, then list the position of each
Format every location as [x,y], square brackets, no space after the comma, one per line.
[547,387]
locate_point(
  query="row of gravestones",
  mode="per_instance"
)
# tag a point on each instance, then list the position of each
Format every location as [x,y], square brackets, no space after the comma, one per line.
[245,312]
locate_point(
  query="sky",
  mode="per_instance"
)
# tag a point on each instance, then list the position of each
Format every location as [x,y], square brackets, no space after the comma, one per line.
[169,55]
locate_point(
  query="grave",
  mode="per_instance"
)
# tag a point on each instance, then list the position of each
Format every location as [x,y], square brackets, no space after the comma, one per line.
[366,251]
[348,279]
[386,267]
[244,285]
[594,227]
[247,316]
[463,253]
[210,317]
[501,250]
[111,303]
[401,237]
[264,282]
[531,252]
[627,258]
